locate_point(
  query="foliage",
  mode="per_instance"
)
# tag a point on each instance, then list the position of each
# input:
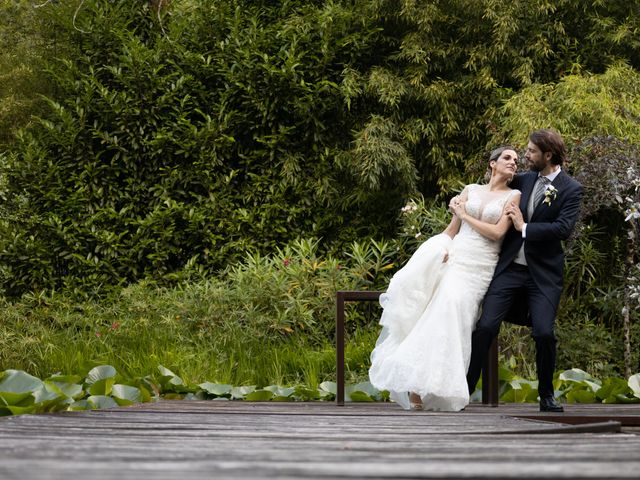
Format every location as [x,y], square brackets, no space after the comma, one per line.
[269,319]
[22,49]
[578,106]
[220,131]
[189,135]
[609,169]
[456,61]
[572,386]
[21,393]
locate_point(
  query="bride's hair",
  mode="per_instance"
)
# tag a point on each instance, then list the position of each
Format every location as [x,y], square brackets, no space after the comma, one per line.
[495,155]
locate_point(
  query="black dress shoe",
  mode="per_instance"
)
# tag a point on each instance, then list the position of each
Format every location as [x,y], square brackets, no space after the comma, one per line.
[549,404]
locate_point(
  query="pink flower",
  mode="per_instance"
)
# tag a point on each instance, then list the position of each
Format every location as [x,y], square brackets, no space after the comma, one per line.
[98,334]
[287,262]
[115,325]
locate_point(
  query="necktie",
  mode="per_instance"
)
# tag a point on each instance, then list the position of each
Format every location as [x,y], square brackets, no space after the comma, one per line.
[541,186]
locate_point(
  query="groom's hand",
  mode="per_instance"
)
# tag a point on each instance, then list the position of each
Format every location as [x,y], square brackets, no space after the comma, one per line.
[514,213]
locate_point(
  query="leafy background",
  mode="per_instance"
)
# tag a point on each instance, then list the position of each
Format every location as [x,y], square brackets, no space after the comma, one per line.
[188,183]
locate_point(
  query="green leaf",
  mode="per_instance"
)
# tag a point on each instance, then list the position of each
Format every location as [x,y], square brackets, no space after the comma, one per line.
[102,387]
[64,379]
[70,390]
[80,405]
[580,395]
[624,399]
[99,373]
[170,381]
[329,387]
[15,410]
[279,398]
[520,391]
[363,387]
[238,393]
[126,394]
[17,386]
[359,396]
[305,394]
[280,391]
[575,375]
[611,387]
[101,401]
[259,396]
[217,389]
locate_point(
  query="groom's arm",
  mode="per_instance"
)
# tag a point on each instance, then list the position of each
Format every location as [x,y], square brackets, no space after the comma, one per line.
[562,226]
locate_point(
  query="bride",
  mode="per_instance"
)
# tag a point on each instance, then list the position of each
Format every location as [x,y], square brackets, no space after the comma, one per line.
[432,303]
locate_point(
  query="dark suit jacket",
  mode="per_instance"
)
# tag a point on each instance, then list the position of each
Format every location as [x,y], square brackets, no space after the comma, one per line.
[547,227]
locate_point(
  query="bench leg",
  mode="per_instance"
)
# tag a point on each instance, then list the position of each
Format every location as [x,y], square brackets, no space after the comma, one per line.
[490,386]
[340,349]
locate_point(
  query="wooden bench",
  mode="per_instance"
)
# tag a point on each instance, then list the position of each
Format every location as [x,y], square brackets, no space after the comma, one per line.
[489,370]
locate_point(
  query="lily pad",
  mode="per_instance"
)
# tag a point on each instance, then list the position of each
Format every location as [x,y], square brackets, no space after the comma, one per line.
[101,401]
[126,394]
[16,386]
[217,389]
[99,373]
[259,396]
[238,393]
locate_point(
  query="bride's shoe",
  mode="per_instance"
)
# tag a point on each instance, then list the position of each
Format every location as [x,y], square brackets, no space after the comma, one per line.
[415,401]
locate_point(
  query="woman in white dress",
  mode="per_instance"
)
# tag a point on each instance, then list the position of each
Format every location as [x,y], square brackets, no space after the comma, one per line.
[432,303]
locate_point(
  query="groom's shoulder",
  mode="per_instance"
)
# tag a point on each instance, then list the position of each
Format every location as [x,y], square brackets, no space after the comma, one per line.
[520,177]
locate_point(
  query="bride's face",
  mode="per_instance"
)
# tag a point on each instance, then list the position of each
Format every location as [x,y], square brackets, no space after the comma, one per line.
[506,164]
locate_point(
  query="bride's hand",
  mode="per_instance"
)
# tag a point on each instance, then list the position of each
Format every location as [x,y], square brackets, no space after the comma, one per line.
[452,204]
[459,210]
[513,212]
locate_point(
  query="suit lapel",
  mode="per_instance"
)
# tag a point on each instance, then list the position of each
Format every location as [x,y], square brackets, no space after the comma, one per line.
[528,182]
[560,180]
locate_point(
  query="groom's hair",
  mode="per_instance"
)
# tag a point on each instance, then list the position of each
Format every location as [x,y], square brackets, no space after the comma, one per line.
[548,140]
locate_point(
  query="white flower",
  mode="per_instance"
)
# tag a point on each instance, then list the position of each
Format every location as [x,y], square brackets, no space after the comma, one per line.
[409,207]
[550,194]
[632,212]
[418,235]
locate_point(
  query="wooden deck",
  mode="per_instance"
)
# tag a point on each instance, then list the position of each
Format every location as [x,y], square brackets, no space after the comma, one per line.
[216,439]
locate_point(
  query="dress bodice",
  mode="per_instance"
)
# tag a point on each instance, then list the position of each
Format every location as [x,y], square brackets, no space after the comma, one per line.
[487,206]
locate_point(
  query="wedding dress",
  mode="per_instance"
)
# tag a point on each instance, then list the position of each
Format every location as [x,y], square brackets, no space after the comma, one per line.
[430,309]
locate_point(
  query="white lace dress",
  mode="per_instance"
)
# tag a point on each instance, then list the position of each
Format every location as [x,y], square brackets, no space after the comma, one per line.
[430,309]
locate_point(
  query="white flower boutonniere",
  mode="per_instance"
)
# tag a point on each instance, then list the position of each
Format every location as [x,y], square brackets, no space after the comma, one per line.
[550,194]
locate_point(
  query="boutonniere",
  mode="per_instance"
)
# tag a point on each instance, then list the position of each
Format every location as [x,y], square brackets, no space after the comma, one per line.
[550,194]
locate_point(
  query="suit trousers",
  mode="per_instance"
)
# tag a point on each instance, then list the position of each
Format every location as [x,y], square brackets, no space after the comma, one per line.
[502,292]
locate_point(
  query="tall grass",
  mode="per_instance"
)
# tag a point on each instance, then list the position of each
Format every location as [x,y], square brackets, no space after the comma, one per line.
[268,320]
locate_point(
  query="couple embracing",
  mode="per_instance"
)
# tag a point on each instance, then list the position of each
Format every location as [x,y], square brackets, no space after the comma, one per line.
[501,253]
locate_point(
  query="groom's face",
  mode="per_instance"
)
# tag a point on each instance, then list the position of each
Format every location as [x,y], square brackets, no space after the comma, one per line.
[536,160]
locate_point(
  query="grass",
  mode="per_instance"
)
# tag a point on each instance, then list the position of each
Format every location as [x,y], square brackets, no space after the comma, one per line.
[182,329]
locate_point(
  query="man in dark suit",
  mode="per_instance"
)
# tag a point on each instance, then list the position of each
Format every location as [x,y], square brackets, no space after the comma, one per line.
[531,261]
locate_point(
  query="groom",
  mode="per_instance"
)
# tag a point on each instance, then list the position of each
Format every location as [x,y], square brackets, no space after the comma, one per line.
[531,260]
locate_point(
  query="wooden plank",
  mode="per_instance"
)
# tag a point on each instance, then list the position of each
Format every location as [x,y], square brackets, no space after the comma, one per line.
[314,440]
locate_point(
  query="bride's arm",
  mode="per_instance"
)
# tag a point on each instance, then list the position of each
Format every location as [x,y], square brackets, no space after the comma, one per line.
[492,231]
[454,225]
